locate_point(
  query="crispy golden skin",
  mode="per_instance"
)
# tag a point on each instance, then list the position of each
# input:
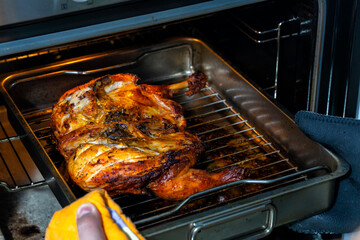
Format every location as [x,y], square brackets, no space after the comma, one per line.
[113,107]
[128,166]
[130,138]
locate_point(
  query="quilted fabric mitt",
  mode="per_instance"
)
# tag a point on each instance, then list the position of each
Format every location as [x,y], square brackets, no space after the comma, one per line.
[342,136]
[116,225]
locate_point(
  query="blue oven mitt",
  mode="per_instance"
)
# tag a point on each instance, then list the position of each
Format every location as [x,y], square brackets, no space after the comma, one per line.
[342,136]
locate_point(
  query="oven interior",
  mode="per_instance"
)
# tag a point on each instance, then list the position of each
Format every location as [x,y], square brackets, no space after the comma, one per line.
[271,44]
[277,37]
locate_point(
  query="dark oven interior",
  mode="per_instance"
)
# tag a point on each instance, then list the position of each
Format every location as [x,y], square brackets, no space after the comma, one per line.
[247,37]
[271,44]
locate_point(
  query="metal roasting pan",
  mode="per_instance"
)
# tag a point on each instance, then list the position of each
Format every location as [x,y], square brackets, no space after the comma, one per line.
[36,90]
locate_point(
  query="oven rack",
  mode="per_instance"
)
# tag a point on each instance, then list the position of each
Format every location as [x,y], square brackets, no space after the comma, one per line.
[17,169]
[293,26]
[229,139]
[249,144]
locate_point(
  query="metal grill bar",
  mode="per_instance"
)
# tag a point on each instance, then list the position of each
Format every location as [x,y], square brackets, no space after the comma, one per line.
[229,135]
[42,120]
[209,113]
[205,105]
[235,153]
[44,137]
[215,120]
[199,98]
[17,170]
[280,173]
[271,164]
[42,129]
[184,94]
[219,128]
[225,146]
[247,160]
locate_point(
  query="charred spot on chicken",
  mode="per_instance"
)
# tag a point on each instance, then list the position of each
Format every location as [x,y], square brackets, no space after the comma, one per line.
[126,137]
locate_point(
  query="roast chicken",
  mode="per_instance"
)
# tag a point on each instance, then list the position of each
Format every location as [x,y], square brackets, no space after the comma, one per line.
[127,137]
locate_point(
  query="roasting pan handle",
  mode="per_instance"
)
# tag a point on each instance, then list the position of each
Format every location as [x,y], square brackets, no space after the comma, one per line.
[253,222]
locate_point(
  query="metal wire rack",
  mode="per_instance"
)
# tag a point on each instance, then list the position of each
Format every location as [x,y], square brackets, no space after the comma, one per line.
[290,26]
[229,140]
[17,170]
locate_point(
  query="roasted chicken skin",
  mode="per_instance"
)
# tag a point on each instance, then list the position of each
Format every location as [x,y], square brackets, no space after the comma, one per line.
[114,107]
[126,137]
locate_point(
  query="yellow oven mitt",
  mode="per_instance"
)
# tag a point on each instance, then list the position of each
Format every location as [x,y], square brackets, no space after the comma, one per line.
[63,223]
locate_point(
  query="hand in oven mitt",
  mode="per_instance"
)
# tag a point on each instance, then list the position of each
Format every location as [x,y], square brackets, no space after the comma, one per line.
[341,135]
[116,225]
